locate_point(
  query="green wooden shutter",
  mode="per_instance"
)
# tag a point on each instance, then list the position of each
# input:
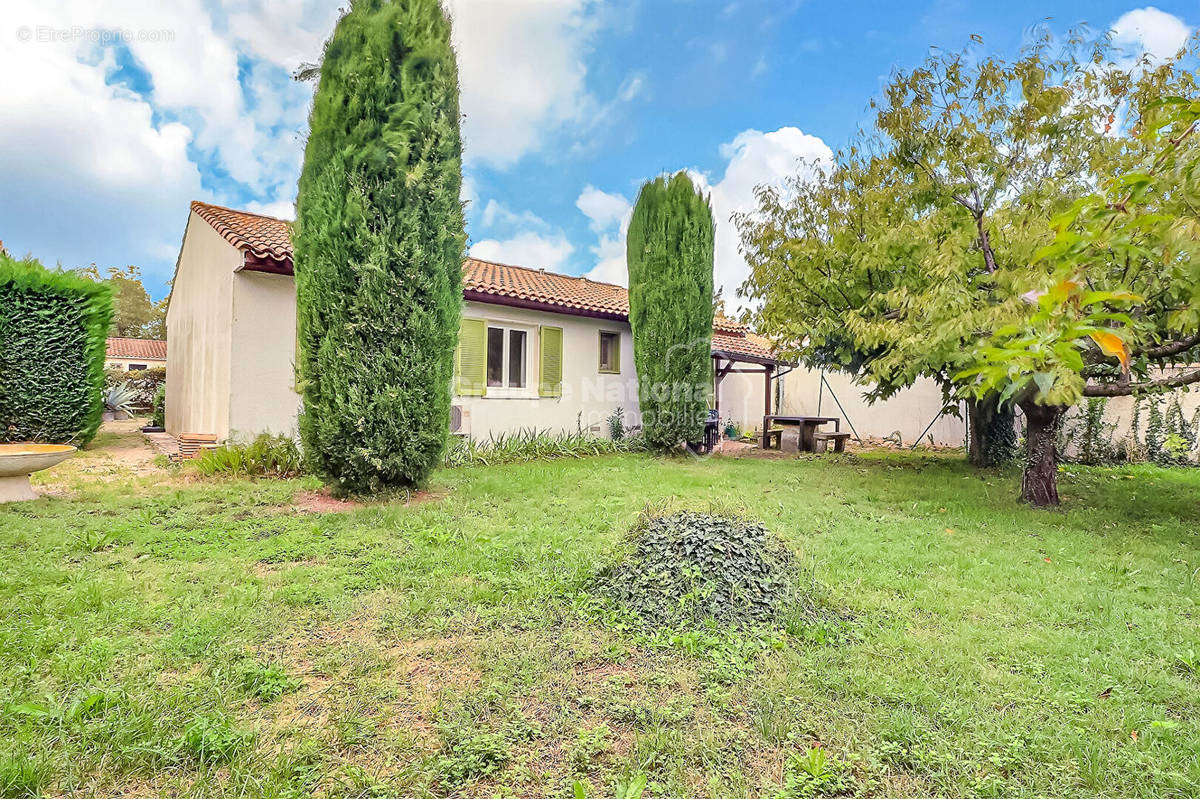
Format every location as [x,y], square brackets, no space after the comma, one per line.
[470,359]
[550,377]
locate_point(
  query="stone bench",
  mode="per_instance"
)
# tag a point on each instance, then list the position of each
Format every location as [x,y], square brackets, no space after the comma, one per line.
[821,441]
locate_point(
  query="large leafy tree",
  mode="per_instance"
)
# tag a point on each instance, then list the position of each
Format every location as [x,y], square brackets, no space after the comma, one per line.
[1125,295]
[135,315]
[670,258]
[378,247]
[919,242]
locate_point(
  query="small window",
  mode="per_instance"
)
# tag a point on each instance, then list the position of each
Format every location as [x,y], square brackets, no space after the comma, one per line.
[610,352]
[516,359]
[495,357]
[136,367]
[506,354]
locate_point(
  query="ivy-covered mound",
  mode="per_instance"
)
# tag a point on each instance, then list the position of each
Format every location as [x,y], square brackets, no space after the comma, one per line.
[52,338]
[690,569]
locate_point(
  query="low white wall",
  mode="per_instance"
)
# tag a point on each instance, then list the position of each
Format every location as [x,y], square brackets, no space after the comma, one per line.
[1119,412]
[909,412]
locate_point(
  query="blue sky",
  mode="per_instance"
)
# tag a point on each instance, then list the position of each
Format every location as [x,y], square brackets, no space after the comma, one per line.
[125,110]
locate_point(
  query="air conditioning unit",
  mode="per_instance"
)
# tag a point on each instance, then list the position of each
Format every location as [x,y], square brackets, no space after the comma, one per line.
[460,420]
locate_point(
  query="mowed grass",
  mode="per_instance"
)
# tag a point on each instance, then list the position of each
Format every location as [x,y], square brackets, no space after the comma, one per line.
[168,635]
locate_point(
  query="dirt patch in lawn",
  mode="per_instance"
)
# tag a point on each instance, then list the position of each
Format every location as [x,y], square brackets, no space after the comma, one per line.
[322,501]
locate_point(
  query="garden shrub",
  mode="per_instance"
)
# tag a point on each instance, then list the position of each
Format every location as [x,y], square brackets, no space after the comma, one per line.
[145,384]
[160,407]
[379,240]
[265,456]
[531,445]
[670,256]
[688,569]
[53,327]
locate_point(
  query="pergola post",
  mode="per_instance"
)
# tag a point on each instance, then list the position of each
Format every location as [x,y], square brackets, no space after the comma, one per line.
[768,370]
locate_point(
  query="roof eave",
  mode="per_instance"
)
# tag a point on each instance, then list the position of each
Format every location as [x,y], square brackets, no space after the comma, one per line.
[474,295]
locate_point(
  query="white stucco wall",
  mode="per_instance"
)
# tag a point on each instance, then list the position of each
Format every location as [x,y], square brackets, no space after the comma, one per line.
[742,397]
[1118,411]
[124,363]
[908,412]
[199,327]
[588,397]
[263,375]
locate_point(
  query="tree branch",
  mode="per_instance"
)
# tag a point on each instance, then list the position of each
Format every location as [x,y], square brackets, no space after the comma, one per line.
[1171,347]
[1125,389]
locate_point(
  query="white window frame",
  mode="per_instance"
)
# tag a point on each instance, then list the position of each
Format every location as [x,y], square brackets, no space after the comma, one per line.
[529,390]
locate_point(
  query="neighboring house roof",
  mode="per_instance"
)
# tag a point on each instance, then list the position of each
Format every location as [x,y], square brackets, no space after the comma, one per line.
[138,348]
[267,239]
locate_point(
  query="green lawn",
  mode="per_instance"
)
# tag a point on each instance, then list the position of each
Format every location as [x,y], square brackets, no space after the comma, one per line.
[167,635]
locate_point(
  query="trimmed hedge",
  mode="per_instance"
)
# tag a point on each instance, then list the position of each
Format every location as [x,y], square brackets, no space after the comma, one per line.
[670,258]
[379,240]
[53,326]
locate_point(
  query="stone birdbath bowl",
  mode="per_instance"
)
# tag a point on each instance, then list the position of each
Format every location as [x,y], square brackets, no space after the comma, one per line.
[18,461]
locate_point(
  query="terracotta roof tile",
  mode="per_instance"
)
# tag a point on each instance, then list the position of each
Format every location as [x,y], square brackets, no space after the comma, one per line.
[545,288]
[137,348]
[744,344]
[264,236]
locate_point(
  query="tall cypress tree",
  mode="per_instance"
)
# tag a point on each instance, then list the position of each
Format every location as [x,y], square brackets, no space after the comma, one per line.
[670,258]
[378,248]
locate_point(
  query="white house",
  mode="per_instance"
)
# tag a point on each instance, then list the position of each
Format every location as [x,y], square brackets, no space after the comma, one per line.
[537,349]
[132,354]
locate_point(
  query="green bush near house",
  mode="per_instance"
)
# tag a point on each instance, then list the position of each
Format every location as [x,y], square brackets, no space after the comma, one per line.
[160,407]
[670,257]
[378,249]
[145,384]
[265,456]
[53,326]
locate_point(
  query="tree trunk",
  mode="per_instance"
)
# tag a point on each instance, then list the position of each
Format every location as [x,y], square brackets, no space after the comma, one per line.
[1039,483]
[992,441]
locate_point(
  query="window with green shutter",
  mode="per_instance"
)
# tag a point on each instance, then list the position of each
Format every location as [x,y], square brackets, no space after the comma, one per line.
[470,359]
[550,375]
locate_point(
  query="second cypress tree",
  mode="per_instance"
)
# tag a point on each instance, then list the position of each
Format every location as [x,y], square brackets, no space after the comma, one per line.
[670,259]
[378,248]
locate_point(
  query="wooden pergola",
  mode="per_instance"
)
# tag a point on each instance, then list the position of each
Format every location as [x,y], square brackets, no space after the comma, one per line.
[727,362]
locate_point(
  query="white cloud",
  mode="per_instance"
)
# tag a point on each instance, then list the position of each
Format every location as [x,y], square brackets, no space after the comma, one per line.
[603,209]
[534,250]
[521,64]
[91,175]
[1147,30]
[610,260]
[285,32]
[280,209]
[632,87]
[497,213]
[609,217]
[107,170]
[753,158]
